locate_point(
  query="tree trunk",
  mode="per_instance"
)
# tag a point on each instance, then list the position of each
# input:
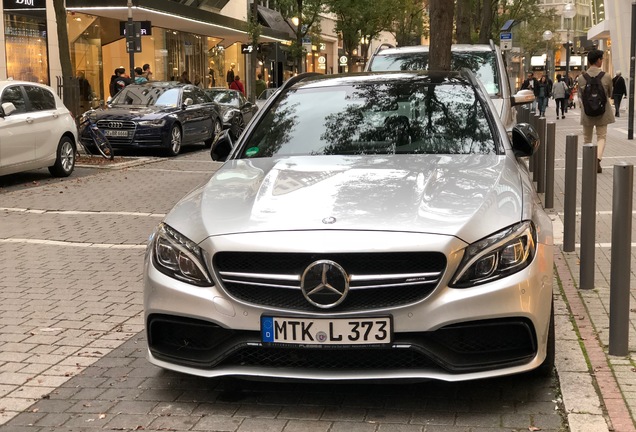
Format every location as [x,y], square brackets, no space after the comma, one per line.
[62,35]
[441,13]
[485,29]
[462,20]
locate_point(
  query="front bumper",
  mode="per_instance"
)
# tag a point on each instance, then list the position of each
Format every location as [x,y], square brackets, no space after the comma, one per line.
[490,330]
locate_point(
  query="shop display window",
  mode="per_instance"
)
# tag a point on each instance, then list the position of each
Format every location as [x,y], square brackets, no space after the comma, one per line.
[26,47]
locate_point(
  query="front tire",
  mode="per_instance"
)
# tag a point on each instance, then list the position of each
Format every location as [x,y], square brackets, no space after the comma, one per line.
[216,131]
[176,139]
[65,160]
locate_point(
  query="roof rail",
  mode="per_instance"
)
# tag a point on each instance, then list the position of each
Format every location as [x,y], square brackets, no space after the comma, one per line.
[383,46]
[296,78]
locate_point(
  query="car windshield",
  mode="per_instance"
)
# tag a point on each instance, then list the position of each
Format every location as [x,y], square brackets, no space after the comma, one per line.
[148,95]
[398,117]
[224,97]
[483,64]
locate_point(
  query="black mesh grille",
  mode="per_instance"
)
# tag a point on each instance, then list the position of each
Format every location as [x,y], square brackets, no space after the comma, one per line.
[358,264]
[360,359]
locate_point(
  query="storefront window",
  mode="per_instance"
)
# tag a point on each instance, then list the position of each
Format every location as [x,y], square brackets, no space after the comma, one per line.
[26,46]
[86,58]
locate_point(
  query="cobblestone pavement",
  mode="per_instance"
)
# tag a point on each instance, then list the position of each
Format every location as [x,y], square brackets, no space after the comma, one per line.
[72,349]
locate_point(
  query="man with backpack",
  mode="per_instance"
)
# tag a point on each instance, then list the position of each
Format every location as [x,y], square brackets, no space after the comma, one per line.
[595,89]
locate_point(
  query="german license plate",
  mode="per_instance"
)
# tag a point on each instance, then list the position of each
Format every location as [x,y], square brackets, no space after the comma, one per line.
[116,133]
[342,331]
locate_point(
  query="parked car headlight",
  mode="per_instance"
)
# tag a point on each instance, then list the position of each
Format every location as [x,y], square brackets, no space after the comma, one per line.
[153,123]
[502,254]
[228,116]
[179,257]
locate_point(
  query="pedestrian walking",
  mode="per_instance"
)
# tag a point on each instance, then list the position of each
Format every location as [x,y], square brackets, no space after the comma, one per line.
[139,76]
[260,85]
[542,93]
[237,85]
[147,73]
[600,122]
[118,81]
[529,84]
[620,90]
[559,91]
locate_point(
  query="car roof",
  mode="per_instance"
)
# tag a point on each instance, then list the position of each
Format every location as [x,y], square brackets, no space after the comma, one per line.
[320,80]
[425,48]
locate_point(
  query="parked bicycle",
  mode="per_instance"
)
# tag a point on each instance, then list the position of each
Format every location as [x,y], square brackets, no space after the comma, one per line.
[100,142]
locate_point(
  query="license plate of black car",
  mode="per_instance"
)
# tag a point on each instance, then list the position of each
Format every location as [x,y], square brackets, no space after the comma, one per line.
[116,133]
[336,331]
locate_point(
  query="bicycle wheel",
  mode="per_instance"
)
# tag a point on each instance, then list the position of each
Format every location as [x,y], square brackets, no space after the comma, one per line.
[101,143]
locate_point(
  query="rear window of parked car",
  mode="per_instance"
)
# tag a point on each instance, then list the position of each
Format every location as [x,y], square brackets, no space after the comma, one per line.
[375,118]
[40,99]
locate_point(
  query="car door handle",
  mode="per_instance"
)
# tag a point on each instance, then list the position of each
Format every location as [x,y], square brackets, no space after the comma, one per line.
[55,115]
[29,120]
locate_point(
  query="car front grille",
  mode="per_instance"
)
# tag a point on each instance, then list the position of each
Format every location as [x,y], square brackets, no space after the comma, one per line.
[118,125]
[377,280]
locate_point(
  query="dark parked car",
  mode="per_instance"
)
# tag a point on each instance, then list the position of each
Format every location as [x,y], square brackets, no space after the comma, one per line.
[158,115]
[236,111]
[364,226]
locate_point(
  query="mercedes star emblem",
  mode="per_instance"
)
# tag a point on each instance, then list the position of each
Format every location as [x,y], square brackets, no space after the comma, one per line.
[325,284]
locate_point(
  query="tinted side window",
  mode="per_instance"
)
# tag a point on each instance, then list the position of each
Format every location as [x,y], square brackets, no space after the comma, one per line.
[188,93]
[199,96]
[14,95]
[41,99]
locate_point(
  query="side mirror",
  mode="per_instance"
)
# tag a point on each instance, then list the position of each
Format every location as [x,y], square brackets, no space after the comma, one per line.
[188,102]
[522,97]
[221,147]
[8,108]
[525,140]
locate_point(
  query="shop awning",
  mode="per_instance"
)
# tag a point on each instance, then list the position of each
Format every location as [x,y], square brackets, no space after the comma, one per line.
[274,20]
[175,16]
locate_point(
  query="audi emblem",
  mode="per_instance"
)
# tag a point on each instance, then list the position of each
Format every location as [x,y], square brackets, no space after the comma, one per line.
[115,125]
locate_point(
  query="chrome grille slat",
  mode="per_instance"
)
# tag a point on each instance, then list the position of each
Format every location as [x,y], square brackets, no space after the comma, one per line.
[377,280]
[125,124]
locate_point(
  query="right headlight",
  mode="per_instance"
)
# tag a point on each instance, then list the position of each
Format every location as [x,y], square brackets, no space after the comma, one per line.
[179,257]
[497,256]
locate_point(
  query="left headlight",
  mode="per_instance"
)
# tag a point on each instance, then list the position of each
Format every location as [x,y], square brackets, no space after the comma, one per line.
[153,123]
[500,255]
[179,257]
[227,116]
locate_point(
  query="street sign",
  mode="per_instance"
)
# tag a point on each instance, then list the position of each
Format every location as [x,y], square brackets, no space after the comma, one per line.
[505,41]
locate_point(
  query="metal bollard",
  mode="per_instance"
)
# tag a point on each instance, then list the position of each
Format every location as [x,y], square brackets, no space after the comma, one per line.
[549,164]
[569,205]
[540,171]
[588,216]
[621,259]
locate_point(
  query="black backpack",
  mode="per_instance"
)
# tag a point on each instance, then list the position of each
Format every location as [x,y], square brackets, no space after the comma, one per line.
[594,97]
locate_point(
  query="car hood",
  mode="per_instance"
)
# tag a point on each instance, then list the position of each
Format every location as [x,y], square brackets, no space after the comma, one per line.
[468,196]
[132,112]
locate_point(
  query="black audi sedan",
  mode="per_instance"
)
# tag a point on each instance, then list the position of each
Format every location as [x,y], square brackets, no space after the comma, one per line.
[163,115]
[236,111]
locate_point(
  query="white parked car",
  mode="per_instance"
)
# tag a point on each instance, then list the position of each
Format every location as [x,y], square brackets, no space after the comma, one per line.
[36,130]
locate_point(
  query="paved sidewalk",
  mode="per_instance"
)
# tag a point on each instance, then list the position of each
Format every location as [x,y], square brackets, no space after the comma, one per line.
[613,376]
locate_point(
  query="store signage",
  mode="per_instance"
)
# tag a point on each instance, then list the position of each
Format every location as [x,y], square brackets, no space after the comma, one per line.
[343,60]
[145,28]
[247,48]
[24,4]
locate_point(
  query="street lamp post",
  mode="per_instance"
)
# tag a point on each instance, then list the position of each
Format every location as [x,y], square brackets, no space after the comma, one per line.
[569,12]
[547,37]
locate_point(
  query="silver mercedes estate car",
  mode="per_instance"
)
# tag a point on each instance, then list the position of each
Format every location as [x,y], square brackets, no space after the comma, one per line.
[366,226]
